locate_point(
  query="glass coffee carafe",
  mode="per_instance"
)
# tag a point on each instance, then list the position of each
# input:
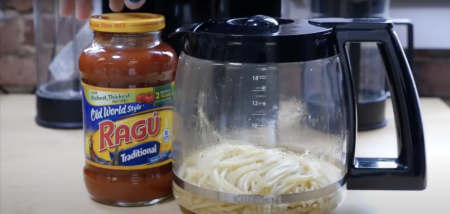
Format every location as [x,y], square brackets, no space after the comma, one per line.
[248,139]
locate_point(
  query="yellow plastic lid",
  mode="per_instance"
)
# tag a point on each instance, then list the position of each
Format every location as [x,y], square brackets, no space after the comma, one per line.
[127,22]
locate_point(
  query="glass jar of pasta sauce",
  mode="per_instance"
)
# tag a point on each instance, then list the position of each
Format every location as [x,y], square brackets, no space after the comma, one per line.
[127,76]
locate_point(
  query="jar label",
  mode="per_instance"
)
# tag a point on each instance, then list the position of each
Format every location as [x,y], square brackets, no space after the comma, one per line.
[128,129]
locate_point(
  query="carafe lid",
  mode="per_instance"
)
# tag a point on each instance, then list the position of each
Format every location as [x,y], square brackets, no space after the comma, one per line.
[258,39]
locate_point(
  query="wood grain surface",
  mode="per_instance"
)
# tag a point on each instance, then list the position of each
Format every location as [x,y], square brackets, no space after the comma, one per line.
[41,169]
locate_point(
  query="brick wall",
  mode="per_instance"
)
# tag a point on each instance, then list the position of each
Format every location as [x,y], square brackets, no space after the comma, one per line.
[433,77]
[17,43]
[17,50]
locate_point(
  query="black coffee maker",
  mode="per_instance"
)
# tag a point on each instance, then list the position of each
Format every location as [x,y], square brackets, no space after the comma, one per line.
[185,12]
[366,62]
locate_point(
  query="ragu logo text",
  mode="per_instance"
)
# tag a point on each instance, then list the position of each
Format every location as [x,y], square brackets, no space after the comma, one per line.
[139,130]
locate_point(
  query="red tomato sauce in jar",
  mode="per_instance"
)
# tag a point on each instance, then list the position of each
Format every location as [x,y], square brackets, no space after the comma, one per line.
[127,76]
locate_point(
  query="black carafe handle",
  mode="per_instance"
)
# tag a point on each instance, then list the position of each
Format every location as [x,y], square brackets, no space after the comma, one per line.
[408,171]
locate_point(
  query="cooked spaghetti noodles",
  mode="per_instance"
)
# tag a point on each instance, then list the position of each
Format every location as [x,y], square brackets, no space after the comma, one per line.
[246,169]
[239,167]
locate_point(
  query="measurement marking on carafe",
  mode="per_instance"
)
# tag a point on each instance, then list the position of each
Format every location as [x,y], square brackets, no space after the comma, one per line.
[256,78]
[258,114]
[258,89]
[255,125]
[258,103]
[267,68]
[262,96]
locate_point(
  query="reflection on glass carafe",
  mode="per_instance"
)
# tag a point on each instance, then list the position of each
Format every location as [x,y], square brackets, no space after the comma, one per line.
[323,93]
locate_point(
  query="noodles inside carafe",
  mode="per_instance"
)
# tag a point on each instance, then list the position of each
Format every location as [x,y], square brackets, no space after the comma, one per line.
[239,167]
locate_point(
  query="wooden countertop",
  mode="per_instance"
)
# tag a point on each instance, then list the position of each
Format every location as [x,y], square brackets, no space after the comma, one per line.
[41,169]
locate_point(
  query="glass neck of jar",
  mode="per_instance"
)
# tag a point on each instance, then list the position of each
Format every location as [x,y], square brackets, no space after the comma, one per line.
[127,40]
